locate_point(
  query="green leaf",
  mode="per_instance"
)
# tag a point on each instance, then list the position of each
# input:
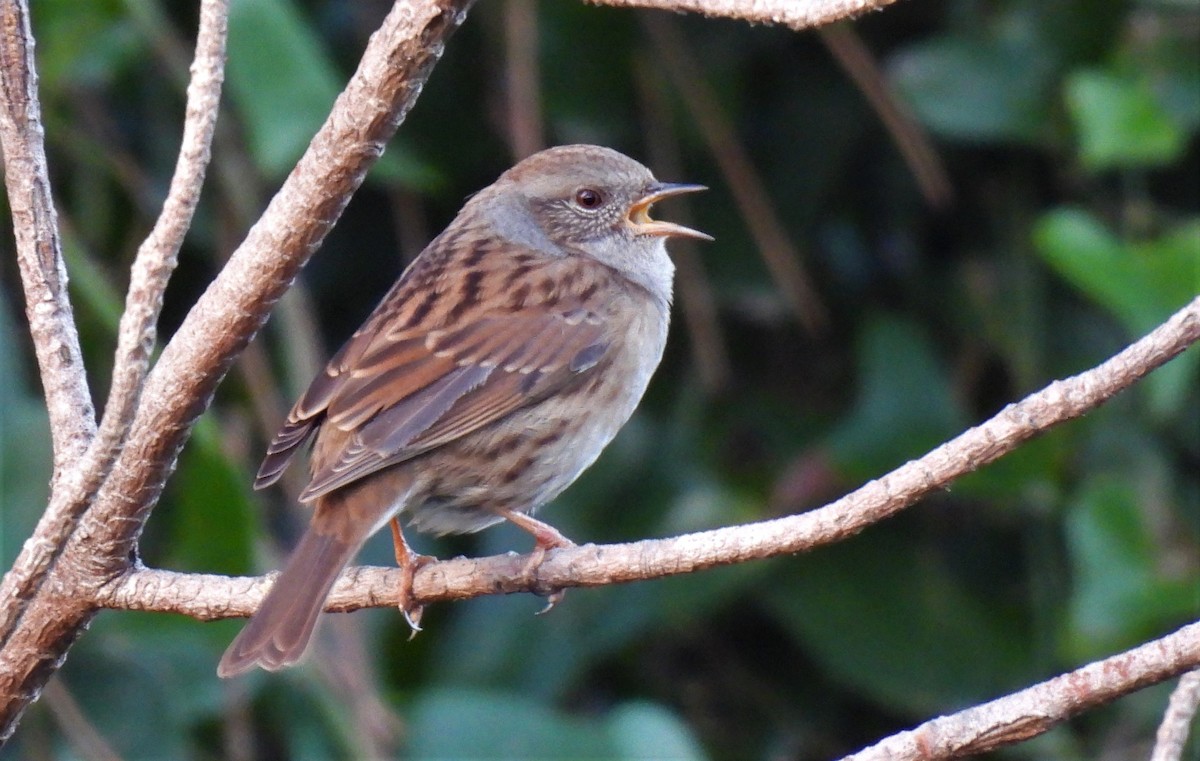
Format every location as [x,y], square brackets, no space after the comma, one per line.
[270,44]
[1175,77]
[647,730]
[905,406]
[1120,123]
[887,619]
[1092,259]
[464,723]
[976,89]
[1141,283]
[1120,595]
[1172,264]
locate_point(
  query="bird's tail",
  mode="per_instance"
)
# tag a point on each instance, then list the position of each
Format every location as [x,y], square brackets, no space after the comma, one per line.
[279,632]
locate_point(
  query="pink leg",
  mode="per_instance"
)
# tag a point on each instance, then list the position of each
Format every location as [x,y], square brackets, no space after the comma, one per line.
[409,562]
[545,538]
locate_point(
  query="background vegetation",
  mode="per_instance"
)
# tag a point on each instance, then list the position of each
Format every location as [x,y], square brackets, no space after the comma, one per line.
[1068,135]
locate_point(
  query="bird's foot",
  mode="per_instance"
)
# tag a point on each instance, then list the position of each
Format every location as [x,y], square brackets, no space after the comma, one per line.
[546,538]
[409,562]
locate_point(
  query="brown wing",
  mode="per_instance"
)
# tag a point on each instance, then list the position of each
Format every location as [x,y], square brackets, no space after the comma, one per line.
[401,387]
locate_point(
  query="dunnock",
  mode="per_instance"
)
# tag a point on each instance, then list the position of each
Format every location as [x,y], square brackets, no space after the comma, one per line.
[493,373]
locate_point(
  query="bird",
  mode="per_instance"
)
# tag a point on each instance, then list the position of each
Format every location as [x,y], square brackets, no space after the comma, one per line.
[495,370]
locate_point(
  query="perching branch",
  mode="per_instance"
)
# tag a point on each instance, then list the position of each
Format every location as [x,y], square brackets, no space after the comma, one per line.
[1012,719]
[212,597]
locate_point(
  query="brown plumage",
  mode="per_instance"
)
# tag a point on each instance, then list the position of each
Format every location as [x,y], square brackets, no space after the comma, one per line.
[494,372]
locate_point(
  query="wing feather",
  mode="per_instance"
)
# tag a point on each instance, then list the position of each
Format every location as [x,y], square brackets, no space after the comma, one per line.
[376,442]
[423,371]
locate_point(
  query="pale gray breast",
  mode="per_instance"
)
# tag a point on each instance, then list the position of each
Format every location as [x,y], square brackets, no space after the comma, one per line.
[537,452]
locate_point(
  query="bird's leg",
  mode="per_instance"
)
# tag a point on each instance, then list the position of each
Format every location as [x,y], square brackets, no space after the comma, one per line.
[545,538]
[409,562]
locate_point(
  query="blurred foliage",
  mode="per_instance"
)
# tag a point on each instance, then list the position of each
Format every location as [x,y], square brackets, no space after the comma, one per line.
[1069,134]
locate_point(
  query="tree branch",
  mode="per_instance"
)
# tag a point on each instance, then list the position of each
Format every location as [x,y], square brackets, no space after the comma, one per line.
[746,185]
[1001,722]
[1172,735]
[155,261]
[1036,709]
[158,254]
[39,249]
[213,597]
[797,14]
[59,602]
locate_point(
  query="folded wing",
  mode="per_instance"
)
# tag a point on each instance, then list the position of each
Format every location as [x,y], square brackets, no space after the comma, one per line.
[399,392]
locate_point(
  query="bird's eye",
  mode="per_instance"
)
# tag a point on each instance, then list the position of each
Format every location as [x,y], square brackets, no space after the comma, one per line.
[588,198]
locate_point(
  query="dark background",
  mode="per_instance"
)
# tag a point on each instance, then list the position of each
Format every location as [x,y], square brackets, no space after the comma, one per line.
[1067,225]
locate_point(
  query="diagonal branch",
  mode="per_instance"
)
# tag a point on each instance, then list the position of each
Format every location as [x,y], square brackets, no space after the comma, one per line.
[212,597]
[39,249]
[771,239]
[1034,710]
[1001,722]
[906,133]
[157,257]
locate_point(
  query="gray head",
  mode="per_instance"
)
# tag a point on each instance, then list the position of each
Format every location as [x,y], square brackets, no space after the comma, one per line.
[591,201]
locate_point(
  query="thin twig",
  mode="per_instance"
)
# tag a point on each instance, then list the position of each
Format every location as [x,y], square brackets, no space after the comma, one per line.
[412,229]
[522,84]
[1172,735]
[848,49]
[85,739]
[696,296]
[157,256]
[39,248]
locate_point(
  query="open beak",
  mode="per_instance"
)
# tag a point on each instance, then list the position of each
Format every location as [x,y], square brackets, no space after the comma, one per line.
[639,213]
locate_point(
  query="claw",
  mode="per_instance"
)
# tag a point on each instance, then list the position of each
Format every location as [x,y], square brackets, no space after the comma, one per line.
[546,538]
[552,599]
[412,617]
[409,562]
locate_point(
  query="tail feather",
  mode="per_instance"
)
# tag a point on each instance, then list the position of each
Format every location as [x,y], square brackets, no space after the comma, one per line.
[278,634]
